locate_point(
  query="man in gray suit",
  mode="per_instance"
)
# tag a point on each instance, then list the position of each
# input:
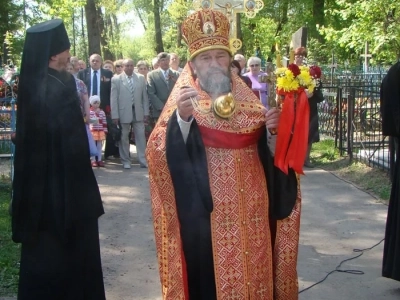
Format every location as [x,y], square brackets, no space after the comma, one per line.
[160,83]
[130,106]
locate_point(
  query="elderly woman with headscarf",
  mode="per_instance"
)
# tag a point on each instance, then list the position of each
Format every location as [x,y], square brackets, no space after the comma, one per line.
[260,88]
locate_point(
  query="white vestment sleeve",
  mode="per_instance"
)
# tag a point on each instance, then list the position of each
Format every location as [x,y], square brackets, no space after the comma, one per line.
[184,126]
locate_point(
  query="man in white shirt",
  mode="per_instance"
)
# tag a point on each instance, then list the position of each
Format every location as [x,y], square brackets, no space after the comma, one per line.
[130,107]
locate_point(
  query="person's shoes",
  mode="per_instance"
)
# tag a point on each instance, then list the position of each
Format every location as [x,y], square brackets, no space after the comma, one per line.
[127,166]
[101,164]
[143,166]
[308,164]
[94,164]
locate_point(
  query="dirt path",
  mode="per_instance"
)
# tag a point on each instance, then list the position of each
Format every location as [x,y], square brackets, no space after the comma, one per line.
[126,233]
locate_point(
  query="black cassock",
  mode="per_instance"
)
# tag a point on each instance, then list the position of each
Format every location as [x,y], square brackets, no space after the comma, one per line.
[187,164]
[56,199]
[313,133]
[390,109]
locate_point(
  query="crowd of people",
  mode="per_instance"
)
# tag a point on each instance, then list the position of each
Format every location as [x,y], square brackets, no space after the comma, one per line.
[132,96]
[128,95]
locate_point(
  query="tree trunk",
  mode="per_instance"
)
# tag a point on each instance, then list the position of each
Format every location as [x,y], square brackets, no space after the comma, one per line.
[157,27]
[318,17]
[92,27]
[83,38]
[4,13]
[141,18]
[103,36]
[284,17]
[117,33]
[283,20]
[179,35]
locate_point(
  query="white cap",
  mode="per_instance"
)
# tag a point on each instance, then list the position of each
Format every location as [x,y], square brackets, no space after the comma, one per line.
[94,98]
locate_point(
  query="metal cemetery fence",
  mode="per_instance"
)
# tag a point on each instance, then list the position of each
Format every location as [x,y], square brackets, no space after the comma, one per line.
[350,114]
[7,125]
[7,120]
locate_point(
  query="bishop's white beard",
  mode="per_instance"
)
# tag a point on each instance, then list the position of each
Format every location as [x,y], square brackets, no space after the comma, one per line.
[215,81]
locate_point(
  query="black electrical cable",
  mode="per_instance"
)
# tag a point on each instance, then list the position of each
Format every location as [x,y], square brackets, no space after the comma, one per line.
[354,272]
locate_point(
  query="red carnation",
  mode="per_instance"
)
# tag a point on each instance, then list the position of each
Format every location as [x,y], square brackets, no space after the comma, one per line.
[295,69]
[315,72]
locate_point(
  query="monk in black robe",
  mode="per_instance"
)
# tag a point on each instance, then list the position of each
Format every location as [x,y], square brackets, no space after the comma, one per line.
[56,200]
[390,110]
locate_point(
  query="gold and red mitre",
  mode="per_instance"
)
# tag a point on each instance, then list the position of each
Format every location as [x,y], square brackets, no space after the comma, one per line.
[204,30]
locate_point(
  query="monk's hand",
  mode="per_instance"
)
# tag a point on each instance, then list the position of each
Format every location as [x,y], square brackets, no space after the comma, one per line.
[272,117]
[184,103]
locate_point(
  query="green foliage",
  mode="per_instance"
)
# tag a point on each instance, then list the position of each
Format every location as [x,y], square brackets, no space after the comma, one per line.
[258,33]
[9,251]
[341,30]
[370,21]
[139,48]
[178,10]
[10,23]
[324,151]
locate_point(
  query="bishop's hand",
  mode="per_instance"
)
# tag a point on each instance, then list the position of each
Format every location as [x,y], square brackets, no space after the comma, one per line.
[184,103]
[272,117]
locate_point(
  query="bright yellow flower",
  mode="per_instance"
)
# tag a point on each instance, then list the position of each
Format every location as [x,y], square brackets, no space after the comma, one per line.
[288,83]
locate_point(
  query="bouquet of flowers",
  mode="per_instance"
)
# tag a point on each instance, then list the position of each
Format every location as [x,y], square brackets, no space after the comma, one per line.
[294,78]
[292,141]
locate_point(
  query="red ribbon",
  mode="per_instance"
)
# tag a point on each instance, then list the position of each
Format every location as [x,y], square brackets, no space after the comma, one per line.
[292,139]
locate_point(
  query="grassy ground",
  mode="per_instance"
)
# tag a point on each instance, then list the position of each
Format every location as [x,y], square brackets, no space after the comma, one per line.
[9,251]
[372,180]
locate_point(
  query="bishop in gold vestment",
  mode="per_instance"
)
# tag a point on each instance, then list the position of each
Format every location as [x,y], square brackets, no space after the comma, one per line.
[226,221]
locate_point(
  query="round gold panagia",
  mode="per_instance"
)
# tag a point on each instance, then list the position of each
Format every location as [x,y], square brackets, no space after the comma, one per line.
[224,106]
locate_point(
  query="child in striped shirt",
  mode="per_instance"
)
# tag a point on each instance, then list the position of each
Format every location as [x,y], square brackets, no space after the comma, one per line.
[98,128]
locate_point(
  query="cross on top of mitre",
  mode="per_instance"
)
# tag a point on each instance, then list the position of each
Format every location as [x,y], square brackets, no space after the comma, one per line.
[230,8]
